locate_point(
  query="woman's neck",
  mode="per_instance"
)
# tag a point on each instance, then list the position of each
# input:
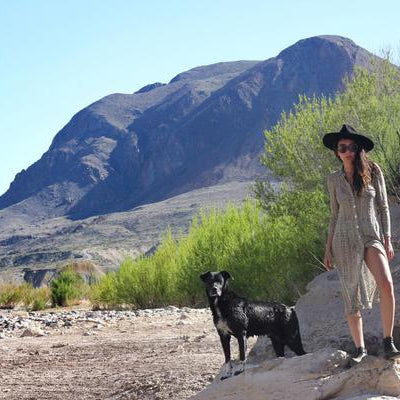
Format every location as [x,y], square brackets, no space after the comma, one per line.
[348,168]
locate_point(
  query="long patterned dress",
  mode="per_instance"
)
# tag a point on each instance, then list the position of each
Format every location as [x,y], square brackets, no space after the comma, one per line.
[357,222]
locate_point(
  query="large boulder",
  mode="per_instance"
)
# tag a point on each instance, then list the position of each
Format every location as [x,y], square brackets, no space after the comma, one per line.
[323,321]
[323,374]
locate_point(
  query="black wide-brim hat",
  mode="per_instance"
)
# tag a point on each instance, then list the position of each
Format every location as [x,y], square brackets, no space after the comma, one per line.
[347,132]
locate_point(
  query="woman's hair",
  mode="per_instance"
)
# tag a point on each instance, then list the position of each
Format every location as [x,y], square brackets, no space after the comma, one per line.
[364,170]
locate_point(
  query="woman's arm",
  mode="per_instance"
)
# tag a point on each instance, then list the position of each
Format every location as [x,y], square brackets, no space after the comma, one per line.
[332,224]
[383,206]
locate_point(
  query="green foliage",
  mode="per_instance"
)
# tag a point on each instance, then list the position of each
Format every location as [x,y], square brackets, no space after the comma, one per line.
[370,103]
[41,299]
[269,256]
[147,281]
[104,292]
[12,294]
[68,288]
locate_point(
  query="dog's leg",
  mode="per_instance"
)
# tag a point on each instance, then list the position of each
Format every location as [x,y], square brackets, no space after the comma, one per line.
[295,345]
[292,334]
[279,347]
[242,339]
[227,367]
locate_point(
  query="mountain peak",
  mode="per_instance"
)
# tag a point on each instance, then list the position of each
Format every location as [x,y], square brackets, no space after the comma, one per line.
[147,88]
[317,42]
[213,70]
[201,129]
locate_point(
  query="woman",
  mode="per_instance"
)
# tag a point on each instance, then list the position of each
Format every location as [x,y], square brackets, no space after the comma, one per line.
[359,240]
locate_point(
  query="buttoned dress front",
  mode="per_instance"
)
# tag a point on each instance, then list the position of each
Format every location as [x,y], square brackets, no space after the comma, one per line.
[357,222]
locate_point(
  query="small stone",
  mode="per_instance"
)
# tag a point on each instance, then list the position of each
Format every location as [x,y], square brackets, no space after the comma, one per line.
[32,332]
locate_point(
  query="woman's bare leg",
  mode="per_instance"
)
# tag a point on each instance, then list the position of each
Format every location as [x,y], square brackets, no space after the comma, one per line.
[379,267]
[356,328]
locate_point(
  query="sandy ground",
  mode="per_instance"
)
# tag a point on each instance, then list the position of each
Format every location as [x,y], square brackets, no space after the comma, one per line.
[149,357]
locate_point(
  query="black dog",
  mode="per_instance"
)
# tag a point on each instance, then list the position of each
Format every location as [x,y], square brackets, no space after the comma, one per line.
[238,317]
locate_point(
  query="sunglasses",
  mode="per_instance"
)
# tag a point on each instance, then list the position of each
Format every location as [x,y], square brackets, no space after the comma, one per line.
[342,148]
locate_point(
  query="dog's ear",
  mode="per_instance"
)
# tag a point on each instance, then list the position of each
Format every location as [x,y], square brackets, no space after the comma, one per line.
[226,275]
[205,276]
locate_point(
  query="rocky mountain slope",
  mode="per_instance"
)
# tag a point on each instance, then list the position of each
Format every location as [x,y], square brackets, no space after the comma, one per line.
[205,127]
[104,240]
[129,165]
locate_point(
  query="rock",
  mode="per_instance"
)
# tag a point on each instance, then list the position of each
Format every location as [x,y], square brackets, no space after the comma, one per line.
[172,308]
[32,331]
[181,323]
[320,375]
[323,323]
[39,277]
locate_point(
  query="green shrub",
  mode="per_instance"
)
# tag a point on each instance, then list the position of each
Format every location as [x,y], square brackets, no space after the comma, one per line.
[145,282]
[104,292]
[66,289]
[10,295]
[41,298]
[13,294]
[269,256]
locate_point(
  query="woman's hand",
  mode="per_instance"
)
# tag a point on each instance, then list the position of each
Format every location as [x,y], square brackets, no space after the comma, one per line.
[328,260]
[389,248]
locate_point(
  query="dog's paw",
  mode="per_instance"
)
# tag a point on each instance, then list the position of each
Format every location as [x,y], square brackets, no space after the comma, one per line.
[239,368]
[226,371]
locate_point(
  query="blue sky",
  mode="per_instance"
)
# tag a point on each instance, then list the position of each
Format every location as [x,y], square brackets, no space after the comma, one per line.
[58,56]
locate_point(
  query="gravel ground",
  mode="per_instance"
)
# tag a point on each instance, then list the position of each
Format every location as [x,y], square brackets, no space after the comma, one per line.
[160,354]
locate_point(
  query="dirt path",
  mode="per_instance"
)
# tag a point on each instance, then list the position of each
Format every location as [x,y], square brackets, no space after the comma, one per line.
[151,356]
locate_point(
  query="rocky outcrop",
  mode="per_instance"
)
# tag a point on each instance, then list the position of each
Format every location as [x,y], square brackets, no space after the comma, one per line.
[40,277]
[203,128]
[323,323]
[323,374]
[89,272]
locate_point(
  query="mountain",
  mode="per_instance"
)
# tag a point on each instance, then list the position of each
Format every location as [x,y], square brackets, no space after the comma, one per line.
[205,127]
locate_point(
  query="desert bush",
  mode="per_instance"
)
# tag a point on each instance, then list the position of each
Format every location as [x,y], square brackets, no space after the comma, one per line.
[144,282]
[269,256]
[67,288]
[10,295]
[25,295]
[41,299]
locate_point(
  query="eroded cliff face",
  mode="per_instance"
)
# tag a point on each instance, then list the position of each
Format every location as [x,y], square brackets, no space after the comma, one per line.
[203,128]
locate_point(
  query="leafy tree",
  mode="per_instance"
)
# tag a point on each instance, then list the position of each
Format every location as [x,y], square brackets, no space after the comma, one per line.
[294,152]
